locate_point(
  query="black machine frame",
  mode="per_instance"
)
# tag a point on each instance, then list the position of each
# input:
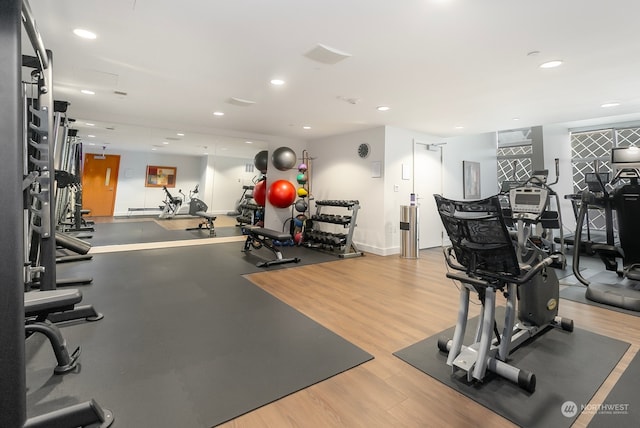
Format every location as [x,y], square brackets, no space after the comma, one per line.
[14,14]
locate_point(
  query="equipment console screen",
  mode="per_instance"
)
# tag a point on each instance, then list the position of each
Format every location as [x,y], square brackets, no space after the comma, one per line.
[532,199]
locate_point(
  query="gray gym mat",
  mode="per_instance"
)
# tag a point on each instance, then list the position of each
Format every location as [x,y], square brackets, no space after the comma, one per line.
[186,341]
[621,408]
[566,368]
[149,231]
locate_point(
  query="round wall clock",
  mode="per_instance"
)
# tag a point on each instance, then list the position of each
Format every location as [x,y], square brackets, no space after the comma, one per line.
[363,150]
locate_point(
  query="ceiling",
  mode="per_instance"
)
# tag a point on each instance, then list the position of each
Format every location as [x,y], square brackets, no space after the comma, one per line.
[444,67]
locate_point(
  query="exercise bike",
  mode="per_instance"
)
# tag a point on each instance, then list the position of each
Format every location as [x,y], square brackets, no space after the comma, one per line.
[177,205]
[489,261]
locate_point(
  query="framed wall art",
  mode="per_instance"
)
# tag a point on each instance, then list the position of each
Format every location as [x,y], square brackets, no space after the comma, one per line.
[160,176]
[471,179]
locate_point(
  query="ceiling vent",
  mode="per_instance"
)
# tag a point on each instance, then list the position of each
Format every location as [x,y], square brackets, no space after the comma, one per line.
[240,102]
[326,55]
[121,93]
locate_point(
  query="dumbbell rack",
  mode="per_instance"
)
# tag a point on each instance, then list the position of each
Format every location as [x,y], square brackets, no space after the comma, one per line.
[249,214]
[340,243]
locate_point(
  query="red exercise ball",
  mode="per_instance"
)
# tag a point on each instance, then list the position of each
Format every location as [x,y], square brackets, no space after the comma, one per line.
[281,194]
[260,192]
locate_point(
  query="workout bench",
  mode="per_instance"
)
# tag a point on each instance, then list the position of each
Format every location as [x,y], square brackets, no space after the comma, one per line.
[199,209]
[259,236]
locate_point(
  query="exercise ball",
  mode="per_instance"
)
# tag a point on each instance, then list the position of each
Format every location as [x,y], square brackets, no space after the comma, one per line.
[302,192]
[302,167]
[281,193]
[297,238]
[283,158]
[260,192]
[302,178]
[301,205]
[261,160]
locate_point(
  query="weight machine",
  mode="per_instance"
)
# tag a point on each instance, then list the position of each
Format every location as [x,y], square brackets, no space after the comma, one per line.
[39,184]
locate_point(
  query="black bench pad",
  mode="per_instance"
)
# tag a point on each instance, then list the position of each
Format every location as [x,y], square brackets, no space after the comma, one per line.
[37,302]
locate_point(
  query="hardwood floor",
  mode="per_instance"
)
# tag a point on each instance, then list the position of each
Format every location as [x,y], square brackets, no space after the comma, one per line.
[384,304]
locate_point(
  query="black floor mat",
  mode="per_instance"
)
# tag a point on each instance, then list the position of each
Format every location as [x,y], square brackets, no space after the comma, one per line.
[149,231]
[621,408]
[564,363]
[186,340]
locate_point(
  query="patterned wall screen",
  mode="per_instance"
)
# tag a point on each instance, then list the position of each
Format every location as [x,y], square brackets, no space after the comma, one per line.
[514,155]
[588,147]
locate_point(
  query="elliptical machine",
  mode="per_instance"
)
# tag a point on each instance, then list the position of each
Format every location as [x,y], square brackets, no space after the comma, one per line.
[489,261]
[621,290]
[541,232]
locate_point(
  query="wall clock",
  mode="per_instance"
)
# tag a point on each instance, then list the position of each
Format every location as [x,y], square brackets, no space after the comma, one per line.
[363,150]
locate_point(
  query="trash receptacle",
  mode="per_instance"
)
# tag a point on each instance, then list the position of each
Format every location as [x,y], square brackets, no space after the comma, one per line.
[409,231]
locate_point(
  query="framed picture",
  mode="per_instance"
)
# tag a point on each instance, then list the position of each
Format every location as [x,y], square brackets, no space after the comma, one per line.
[160,176]
[471,179]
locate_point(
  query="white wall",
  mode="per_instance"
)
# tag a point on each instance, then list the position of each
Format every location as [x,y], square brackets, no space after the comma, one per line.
[339,173]
[398,155]
[229,175]
[476,148]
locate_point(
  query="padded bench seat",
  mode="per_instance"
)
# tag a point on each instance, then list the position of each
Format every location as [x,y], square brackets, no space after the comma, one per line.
[44,302]
[260,236]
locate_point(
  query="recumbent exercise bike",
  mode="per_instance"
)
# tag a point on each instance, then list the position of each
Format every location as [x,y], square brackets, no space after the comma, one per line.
[489,260]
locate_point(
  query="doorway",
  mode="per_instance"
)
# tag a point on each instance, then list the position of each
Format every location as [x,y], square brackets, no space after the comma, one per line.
[100,183]
[428,181]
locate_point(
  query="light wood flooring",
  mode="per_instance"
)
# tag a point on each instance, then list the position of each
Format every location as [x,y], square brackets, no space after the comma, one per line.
[384,304]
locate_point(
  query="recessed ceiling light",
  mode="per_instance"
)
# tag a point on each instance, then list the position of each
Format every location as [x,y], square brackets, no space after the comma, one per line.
[180,134]
[91,136]
[92,144]
[85,34]
[516,118]
[154,149]
[205,153]
[551,64]
[218,113]
[277,82]
[249,142]
[87,92]
[610,104]
[459,127]
[90,124]
[306,127]
[382,108]
[165,142]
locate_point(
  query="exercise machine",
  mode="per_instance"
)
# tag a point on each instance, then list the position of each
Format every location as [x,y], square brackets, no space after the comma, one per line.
[16,16]
[171,204]
[548,220]
[198,208]
[623,289]
[258,237]
[488,262]
[596,183]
